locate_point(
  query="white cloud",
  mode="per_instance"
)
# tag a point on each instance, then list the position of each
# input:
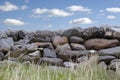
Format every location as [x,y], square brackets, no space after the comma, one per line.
[40,11]
[81,21]
[78,8]
[13,22]
[8,7]
[52,12]
[111,17]
[59,13]
[113,9]
[24,7]
[48,26]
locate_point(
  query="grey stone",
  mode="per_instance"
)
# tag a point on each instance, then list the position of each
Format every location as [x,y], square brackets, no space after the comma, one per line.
[106,59]
[93,32]
[16,35]
[75,39]
[62,47]
[49,53]
[66,55]
[6,43]
[115,51]
[71,32]
[42,36]
[51,61]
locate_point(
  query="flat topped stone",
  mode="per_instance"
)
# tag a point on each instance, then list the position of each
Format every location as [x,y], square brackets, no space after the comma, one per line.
[98,44]
[115,51]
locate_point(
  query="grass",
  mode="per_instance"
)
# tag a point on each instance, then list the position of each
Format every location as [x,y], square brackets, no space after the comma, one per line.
[88,71]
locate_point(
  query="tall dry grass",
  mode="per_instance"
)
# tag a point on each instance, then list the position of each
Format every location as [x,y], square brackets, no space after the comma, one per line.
[87,71]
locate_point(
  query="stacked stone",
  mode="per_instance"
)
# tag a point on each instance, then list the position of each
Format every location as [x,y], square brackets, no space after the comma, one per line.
[68,49]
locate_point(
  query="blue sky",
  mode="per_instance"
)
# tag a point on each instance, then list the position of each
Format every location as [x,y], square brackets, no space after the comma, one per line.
[57,14]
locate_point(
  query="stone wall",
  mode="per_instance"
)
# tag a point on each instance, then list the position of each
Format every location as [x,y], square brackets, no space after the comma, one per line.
[62,48]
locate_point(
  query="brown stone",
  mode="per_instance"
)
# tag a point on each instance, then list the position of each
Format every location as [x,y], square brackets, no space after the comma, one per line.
[44,45]
[62,47]
[59,40]
[98,44]
[67,55]
[75,46]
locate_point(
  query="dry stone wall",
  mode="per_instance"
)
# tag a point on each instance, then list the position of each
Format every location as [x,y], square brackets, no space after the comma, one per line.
[67,48]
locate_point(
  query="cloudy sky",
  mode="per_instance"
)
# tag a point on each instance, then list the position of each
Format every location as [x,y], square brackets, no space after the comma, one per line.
[58,14]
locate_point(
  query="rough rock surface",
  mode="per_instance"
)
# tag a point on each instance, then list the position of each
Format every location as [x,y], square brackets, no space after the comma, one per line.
[98,44]
[6,43]
[66,48]
[75,39]
[75,46]
[115,51]
[93,32]
[59,40]
[49,53]
[66,55]
[71,32]
[62,47]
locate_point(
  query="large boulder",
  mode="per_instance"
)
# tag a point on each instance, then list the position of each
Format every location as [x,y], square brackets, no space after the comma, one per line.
[51,61]
[6,43]
[106,59]
[75,46]
[49,53]
[75,39]
[57,40]
[98,44]
[42,36]
[62,47]
[72,32]
[115,51]
[93,32]
[67,55]
[16,35]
